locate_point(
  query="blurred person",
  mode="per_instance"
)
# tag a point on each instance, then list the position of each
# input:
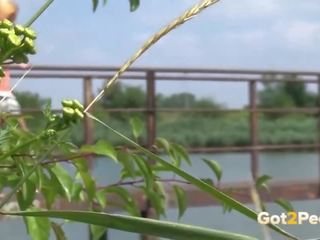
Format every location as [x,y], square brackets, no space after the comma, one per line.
[8,102]
[8,10]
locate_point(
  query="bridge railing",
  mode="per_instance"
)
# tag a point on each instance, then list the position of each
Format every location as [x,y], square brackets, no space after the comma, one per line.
[151,75]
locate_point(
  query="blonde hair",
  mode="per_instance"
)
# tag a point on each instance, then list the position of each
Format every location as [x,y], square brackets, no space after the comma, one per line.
[8,10]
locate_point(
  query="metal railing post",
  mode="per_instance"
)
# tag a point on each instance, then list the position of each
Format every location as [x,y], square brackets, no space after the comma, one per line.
[253,128]
[146,211]
[88,123]
[151,108]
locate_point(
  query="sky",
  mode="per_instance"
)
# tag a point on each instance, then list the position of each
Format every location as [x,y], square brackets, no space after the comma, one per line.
[258,34]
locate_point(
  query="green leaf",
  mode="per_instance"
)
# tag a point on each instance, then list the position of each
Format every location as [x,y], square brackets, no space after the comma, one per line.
[163,143]
[102,198]
[146,226]
[76,191]
[157,201]
[63,178]
[27,194]
[137,127]
[102,147]
[97,231]
[38,228]
[129,203]
[262,182]
[1,72]
[49,196]
[181,199]
[67,147]
[90,185]
[134,4]
[286,205]
[145,169]
[215,167]
[95,4]
[175,151]
[180,153]
[4,133]
[81,164]
[86,177]
[157,197]
[128,165]
[50,189]
[58,231]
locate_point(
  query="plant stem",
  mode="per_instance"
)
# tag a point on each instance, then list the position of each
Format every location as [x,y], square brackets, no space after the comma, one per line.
[258,205]
[38,13]
[133,182]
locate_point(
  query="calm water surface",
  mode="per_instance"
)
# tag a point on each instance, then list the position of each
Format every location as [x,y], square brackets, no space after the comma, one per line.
[282,166]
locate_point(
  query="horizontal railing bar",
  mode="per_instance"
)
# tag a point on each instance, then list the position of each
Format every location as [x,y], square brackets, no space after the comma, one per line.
[198,110]
[169,70]
[261,110]
[262,148]
[79,76]
[231,79]
[76,76]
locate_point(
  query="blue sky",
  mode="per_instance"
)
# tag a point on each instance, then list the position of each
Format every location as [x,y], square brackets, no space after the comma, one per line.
[260,34]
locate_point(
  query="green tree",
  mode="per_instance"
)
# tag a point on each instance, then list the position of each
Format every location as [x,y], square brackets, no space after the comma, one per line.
[31,100]
[274,96]
[124,97]
[287,93]
[179,100]
[185,100]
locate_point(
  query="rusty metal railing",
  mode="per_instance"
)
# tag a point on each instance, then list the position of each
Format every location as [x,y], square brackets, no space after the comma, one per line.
[152,75]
